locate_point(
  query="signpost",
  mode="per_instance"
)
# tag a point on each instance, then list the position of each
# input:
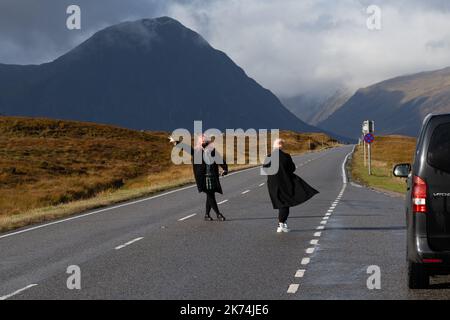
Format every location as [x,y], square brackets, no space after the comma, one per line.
[368,127]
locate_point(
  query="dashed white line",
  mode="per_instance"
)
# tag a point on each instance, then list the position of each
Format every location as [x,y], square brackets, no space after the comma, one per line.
[305,261]
[128,243]
[293,288]
[300,273]
[18,291]
[187,217]
[262,184]
[326,218]
[320,228]
[317,234]
[310,250]
[323,222]
[314,242]
[222,202]
[246,191]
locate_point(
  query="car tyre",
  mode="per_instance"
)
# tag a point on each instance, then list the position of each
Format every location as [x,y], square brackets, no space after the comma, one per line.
[418,277]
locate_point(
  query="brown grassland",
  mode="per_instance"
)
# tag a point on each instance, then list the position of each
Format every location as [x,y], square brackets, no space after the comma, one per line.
[50,168]
[386,152]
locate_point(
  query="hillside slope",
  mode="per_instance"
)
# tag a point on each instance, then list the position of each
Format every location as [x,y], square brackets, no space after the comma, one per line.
[398,105]
[152,74]
[51,168]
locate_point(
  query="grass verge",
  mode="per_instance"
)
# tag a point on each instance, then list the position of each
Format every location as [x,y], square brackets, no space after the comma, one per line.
[386,152]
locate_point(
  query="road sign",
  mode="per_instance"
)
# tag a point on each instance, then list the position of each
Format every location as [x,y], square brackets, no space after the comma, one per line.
[368,126]
[369,138]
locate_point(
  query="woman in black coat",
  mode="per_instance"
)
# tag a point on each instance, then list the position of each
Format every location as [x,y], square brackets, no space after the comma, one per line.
[206,172]
[285,188]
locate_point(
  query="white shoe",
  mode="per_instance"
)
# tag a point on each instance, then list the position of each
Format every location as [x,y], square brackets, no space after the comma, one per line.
[282,227]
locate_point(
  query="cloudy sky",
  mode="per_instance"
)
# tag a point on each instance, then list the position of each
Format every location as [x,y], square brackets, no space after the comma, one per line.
[289,46]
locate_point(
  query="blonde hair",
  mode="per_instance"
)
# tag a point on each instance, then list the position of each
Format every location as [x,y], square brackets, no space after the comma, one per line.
[277,143]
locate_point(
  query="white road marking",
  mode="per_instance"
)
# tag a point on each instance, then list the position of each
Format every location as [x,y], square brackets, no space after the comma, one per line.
[262,184]
[318,234]
[300,273]
[92,213]
[189,216]
[246,191]
[18,291]
[305,261]
[326,218]
[320,228]
[314,242]
[344,174]
[293,288]
[328,214]
[115,207]
[222,202]
[310,250]
[128,243]
[323,222]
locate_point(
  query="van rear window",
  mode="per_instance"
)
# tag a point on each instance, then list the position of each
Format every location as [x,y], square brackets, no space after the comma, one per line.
[439,149]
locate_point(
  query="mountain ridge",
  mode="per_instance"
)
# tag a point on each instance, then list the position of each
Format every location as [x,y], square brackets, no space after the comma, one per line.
[397,105]
[151,74]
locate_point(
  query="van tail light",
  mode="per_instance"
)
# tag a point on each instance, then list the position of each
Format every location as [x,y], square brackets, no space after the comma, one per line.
[419,195]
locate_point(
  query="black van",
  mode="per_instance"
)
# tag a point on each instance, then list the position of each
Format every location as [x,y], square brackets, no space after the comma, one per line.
[428,202]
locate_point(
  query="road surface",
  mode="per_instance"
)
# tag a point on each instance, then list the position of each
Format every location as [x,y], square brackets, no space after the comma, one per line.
[160,247]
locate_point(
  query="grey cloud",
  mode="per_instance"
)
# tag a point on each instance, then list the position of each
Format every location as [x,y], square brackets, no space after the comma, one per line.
[290,47]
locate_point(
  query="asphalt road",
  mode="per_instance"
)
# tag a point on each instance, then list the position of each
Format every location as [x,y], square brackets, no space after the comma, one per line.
[160,247]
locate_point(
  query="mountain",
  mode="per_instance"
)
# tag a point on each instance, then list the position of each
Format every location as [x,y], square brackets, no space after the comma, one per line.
[398,106]
[148,74]
[314,108]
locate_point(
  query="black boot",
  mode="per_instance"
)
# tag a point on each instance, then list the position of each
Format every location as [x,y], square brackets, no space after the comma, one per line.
[208,217]
[220,217]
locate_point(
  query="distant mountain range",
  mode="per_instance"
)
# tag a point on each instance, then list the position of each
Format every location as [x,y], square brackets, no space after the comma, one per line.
[398,106]
[315,107]
[148,74]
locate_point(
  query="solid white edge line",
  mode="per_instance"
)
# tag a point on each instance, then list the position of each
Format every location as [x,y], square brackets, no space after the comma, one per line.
[344,174]
[93,212]
[114,207]
[187,217]
[18,291]
[128,243]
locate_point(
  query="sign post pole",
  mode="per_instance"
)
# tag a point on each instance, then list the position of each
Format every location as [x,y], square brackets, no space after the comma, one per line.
[364,147]
[370,159]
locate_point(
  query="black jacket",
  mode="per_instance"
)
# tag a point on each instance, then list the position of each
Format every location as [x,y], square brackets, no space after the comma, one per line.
[200,169]
[285,188]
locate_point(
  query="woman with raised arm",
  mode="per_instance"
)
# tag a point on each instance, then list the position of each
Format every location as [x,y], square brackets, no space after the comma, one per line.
[285,188]
[206,172]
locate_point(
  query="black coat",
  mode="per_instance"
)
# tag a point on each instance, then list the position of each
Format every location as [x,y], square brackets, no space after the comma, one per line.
[200,169]
[285,188]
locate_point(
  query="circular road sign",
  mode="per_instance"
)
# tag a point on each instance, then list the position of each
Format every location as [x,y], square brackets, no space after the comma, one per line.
[369,138]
